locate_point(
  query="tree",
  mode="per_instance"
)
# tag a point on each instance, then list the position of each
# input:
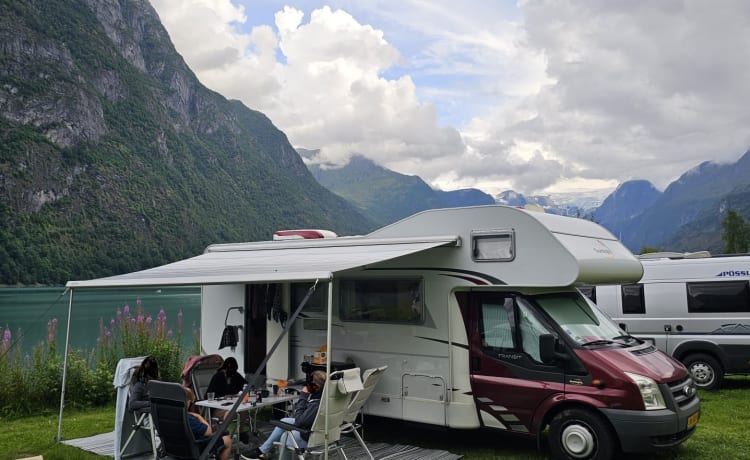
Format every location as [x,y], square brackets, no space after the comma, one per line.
[735,233]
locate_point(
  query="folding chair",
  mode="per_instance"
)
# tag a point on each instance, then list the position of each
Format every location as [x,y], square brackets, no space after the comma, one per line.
[170,415]
[337,393]
[140,427]
[370,379]
[202,373]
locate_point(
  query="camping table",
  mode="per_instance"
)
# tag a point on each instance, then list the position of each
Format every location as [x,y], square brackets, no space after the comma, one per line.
[226,403]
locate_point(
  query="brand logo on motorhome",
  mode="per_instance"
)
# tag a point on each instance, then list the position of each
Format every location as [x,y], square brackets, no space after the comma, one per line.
[602,248]
[731,273]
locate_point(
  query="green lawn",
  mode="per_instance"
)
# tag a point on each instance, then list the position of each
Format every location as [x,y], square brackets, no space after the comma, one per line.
[722,433]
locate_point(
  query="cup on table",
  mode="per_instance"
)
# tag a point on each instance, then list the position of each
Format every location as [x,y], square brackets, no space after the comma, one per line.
[210,395]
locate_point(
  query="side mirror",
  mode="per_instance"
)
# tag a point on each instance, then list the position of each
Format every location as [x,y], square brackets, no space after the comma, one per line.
[547,352]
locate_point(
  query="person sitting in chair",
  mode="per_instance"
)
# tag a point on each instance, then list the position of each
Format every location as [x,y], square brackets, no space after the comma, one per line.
[148,370]
[202,429]
[305,411]
[226,380]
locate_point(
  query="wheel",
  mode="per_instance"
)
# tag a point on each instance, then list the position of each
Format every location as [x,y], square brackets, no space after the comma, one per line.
[705,369]
[580,434]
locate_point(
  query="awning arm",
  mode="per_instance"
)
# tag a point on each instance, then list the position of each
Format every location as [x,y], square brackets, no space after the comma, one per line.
[59,438]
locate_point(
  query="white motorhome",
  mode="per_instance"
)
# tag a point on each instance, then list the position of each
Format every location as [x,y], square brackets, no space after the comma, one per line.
[692,306]
[475,312]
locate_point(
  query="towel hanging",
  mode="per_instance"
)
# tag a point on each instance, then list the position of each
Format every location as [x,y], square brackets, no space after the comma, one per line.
[229,337]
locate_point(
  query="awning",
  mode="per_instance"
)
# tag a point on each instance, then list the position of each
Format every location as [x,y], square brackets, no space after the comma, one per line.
[296,260]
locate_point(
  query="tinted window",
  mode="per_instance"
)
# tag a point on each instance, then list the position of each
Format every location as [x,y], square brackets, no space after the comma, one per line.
[381,300]
[632,298]
[718,297]
[318,301]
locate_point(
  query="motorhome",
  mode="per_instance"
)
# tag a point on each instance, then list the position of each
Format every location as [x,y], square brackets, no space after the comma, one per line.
[476,313]
[692,306]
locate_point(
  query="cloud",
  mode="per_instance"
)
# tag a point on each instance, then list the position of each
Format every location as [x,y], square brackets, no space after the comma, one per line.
[640,90]
[545,96]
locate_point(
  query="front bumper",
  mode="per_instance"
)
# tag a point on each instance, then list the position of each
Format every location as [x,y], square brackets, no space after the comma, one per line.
[647,431]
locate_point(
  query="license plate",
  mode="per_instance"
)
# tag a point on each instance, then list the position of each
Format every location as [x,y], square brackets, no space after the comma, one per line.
[693,419]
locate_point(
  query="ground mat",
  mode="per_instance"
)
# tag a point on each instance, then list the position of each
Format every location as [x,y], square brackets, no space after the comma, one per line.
[103,444]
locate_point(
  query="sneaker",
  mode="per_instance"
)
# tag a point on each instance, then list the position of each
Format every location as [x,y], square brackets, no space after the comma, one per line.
[255,454]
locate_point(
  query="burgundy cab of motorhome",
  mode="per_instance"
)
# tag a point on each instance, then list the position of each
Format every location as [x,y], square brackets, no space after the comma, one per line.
[599,390]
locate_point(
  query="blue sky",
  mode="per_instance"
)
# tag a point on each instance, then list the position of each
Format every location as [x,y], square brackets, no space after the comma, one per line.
[539,96]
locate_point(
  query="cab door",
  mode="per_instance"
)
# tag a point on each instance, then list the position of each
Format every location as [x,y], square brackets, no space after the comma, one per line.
[508,379]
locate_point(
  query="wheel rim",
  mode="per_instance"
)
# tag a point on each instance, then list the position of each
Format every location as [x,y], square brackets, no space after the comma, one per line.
[578,440]
[702,373]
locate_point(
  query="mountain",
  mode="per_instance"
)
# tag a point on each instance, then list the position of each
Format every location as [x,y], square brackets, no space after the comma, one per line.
[628,201]
[566,204]
[113,156]
[387,196]
[702,194]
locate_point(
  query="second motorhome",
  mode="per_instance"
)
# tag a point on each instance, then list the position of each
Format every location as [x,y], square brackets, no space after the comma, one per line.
[477,315]
[693,307]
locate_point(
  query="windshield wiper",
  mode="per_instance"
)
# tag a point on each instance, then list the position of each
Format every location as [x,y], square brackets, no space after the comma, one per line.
[601,342]
[627,338]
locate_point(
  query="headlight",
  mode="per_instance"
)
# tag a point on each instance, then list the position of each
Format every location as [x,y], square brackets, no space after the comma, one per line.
[650,392]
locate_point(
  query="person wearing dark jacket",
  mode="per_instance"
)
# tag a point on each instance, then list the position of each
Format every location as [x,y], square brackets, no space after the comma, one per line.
[305,411]
[148,370]
[226,380]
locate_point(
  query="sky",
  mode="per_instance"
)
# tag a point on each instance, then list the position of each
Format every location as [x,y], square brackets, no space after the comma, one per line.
[535,96]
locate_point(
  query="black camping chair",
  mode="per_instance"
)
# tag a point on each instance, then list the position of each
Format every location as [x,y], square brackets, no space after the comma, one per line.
[170,415]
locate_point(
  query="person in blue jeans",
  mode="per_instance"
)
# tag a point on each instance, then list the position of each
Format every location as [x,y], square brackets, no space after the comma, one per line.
[202,429]
[305,411]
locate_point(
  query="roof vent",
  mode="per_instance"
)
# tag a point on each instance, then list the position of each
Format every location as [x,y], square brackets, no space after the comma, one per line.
[305,234]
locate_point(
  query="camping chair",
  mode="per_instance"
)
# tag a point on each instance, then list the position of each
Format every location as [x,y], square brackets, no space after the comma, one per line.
[170,415]
[337,393]
[138,426]
[198,373]
[350,425]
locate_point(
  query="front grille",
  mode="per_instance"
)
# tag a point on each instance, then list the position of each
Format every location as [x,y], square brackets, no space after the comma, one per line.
[683,391]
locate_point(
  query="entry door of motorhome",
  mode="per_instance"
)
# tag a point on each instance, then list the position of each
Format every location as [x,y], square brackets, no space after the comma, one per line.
[508,379]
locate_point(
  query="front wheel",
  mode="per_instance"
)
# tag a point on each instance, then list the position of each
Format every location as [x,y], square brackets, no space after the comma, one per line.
[705,370]
[580,434]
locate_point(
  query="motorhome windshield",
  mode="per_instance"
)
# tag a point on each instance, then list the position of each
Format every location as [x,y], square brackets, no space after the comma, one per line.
[581,320]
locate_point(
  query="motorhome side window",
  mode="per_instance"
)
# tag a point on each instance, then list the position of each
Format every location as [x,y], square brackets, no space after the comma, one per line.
[718,297]
[495,246]
[632,299]
[498,328]
[381,300]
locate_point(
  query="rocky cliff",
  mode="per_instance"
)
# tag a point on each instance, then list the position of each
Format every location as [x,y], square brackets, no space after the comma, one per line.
[113,156]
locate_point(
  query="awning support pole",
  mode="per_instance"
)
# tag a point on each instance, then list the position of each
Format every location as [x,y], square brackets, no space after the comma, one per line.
[328,360]
[220,432]
[59,437]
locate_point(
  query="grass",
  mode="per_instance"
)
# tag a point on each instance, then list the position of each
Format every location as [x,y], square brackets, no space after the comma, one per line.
[721,434]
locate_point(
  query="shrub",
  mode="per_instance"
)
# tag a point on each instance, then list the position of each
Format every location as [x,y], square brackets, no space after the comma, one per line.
[31,383]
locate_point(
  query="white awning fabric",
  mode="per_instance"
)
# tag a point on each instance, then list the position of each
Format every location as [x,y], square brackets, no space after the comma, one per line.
[305,260]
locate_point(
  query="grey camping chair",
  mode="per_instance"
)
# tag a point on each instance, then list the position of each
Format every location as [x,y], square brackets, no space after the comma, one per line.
[138,426]
[170,415]
[370,379]
[325,431]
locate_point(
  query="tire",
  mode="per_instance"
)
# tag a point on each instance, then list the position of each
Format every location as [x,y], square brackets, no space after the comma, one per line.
[580,434]
[705,370]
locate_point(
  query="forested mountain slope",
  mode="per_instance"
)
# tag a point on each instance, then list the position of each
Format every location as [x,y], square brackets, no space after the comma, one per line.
[113,156]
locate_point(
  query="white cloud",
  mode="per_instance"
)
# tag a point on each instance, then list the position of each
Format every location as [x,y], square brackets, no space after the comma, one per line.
[547,95]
